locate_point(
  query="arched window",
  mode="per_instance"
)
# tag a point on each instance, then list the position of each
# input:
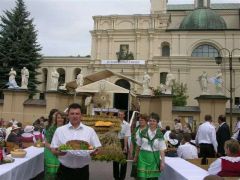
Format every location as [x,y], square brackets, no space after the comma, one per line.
[165,49]
[76,72]
[61,79]
[205,50]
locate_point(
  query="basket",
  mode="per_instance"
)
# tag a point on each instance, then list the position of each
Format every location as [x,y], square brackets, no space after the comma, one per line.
[18,153]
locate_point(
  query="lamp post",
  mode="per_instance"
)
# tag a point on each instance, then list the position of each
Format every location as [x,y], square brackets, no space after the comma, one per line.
[218,60]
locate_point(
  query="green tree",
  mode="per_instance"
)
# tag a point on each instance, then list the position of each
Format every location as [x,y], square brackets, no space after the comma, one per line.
[179,91]
[18,46]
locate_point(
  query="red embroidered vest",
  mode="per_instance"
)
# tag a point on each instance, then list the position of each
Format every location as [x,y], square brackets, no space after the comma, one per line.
[230,169]
[30,139]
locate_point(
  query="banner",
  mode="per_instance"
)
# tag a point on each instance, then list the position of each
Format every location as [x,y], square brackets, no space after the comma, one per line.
[123,62]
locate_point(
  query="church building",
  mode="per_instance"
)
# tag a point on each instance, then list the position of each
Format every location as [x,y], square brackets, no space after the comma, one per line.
[181,39]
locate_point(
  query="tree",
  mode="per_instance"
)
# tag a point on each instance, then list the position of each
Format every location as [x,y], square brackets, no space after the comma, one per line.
[179,91]
[18,46]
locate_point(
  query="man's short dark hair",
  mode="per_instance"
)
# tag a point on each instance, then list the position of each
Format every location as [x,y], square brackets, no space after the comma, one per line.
[167,128]
[208,117]
[19,124]
[187,137]
[177,120]
[172,135]
[222,118]
[74,106]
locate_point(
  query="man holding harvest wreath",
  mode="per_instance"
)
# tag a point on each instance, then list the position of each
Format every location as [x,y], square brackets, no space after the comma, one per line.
[73,165]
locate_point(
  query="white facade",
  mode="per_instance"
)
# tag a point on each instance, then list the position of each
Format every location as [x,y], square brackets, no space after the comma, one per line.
[147,35]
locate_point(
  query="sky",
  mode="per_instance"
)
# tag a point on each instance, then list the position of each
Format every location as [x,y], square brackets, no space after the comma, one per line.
[64,25]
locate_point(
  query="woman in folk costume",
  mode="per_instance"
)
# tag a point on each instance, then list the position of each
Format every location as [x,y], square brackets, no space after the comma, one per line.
[51,162]
[229,165]
[30,135]
[143,119]
[150,155]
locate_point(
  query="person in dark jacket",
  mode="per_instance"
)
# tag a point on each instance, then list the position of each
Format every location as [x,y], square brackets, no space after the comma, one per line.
[222,135]
[14,136]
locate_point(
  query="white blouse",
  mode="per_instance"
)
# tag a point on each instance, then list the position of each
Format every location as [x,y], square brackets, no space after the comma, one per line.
[158,144]
[216,166]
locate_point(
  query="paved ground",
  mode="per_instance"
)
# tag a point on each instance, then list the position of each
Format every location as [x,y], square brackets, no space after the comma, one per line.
[104,171]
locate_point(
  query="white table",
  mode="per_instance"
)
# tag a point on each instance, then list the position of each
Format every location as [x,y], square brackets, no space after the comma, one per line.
[179,169]
[24,168]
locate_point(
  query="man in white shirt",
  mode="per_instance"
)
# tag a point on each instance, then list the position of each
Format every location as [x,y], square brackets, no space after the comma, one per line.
[187,150]
[206,138]
[72,165]
[119,170]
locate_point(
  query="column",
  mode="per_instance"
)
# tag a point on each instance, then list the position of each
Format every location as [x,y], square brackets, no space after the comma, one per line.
[94,46]
[213,105]
[159,104]
[98,46]
[150,45]
[138,42]
[13,105]
[110,49]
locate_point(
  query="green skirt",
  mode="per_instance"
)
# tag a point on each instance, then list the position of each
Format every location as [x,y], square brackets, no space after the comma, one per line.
[51,164]
[148,164]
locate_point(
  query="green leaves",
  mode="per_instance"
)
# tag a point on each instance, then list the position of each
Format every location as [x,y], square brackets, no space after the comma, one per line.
[65,147]
[179,94]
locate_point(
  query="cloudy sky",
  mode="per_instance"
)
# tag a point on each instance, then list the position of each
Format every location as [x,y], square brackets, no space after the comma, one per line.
[63,25]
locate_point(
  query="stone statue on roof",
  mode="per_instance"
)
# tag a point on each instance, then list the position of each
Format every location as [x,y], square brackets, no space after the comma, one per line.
[170,79]
[12,84]
[219,83]
[54,80]
[79,80]
[203,81]
[146,84]
[25,76]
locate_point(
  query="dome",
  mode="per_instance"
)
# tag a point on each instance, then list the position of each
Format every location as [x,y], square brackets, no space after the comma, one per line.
[203,19]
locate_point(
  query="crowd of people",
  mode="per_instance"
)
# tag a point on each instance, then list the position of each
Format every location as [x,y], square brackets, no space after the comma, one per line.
[207,142]
[41,130]
[149,145]
[14,132]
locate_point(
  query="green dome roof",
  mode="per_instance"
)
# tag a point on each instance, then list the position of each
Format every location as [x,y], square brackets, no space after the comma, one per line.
[203,19]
